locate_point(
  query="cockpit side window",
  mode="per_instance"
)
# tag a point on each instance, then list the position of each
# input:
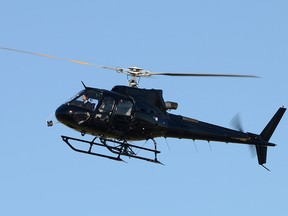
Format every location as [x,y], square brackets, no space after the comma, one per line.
[124,107]
[87,100]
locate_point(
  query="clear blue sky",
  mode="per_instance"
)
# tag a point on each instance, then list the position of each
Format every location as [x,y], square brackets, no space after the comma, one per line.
[40,175]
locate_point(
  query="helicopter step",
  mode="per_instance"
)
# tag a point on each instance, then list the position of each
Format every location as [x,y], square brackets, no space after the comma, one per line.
[117,148]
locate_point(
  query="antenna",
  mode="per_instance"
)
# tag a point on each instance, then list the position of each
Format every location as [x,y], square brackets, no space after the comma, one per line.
[83,84]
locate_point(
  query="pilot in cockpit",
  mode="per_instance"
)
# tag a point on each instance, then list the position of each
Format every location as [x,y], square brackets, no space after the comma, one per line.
[86,103]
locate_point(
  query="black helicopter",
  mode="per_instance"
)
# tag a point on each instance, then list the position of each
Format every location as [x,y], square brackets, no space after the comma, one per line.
[127,113]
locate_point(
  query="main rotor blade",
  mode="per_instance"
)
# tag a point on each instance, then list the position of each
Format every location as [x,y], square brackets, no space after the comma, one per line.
[201,75]
[59,58]
[129,71]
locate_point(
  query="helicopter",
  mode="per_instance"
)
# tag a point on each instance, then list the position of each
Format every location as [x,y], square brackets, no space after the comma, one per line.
[117,117]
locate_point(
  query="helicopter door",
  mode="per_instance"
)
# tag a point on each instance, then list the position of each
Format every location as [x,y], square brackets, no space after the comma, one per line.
[104,111]
[123,115]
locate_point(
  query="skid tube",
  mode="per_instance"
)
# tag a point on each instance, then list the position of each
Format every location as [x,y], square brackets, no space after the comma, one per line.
[122,148]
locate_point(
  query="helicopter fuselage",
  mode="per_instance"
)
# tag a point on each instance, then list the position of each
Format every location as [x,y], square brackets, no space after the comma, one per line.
[127,113]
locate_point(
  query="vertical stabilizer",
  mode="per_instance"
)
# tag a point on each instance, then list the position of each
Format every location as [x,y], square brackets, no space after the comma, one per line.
[273,123]
[266,135]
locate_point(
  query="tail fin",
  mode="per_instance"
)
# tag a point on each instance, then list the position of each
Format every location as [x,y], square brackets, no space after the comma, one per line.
[266,135]
[271,126]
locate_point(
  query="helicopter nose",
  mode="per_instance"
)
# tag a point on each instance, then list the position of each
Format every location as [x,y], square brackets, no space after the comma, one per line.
[72,116]
[63,114]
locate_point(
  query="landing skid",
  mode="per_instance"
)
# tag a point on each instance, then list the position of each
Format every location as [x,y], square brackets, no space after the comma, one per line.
[116,149]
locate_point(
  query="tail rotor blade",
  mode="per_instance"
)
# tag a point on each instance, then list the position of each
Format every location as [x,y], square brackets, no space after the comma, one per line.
[237,123]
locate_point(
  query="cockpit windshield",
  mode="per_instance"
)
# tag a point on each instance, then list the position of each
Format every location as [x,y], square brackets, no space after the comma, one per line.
[86,99]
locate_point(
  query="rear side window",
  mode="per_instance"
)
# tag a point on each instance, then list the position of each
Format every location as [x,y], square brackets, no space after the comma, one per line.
[107,104]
